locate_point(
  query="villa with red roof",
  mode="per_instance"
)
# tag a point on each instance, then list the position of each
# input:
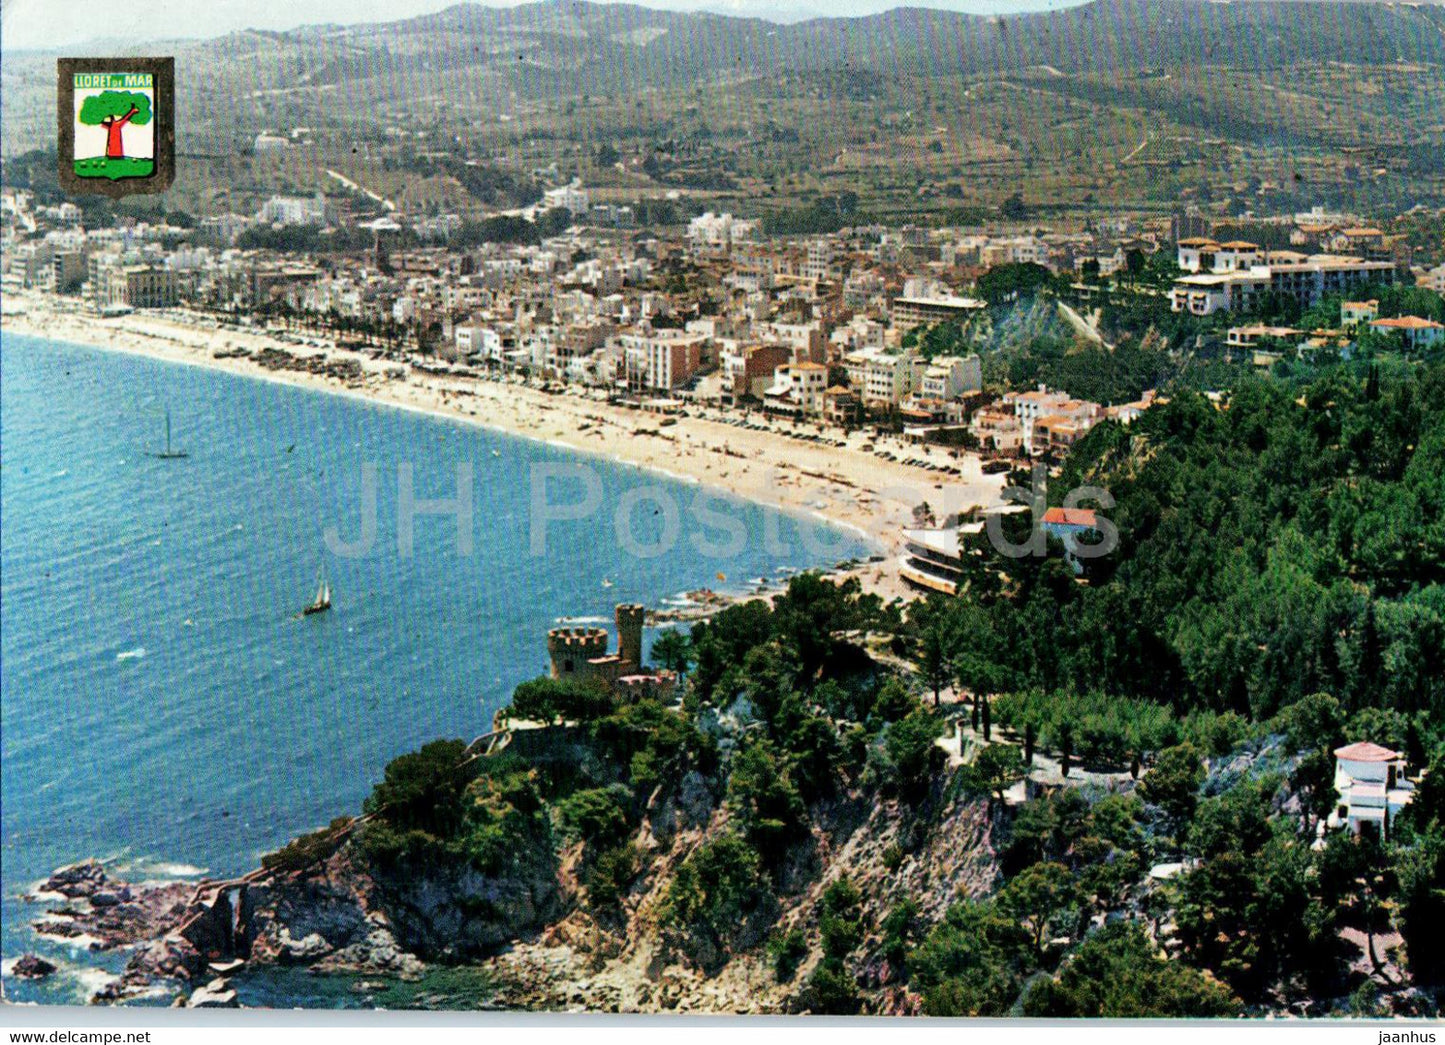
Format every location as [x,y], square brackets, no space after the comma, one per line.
[1417,333]
[1371,783]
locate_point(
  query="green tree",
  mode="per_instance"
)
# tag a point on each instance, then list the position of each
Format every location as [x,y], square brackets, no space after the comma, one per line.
[422,790]
[1173,784]
[549,700]
[595,815]
[609,875]
[1420,869]
[934,650]
[673,651]
[113,110]
[996,769]
[910,756]
[1118,974]
[900,933]
[717,888]
[972,963]
[1045,899]
[840,919]
[762,794]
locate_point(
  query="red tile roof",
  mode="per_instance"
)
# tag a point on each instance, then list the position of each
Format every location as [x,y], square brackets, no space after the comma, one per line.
[1070,516]
[1407,323]
[1365,751]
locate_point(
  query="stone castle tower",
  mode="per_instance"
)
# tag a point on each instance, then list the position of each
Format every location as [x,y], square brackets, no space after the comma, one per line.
[630,617]
[582,652]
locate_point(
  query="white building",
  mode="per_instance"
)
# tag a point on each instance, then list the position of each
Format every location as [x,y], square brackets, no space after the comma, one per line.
[910,312]
[797,389]
[1056,409]
[1307,279]
[1205,255]
[881,378]
[716,232]
[569,197]
[662,360]
[949,377]
[294,210]
[1370,781]
[477,341]
[1417,334]
[819,263]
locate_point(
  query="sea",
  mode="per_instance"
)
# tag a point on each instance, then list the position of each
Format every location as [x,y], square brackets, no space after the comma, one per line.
[166,708]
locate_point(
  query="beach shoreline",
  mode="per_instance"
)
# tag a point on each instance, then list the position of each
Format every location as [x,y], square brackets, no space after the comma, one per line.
[845,487]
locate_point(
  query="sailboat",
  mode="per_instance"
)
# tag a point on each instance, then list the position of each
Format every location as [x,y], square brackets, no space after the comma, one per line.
[322,602]
[169,453]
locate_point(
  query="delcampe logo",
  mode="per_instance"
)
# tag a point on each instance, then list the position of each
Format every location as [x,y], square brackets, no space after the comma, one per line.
[116,125]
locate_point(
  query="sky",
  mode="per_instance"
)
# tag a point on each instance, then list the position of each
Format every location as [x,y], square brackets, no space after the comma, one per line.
[26,24]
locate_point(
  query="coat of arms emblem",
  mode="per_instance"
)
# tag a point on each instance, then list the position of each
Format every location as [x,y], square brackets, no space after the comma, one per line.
[116,124]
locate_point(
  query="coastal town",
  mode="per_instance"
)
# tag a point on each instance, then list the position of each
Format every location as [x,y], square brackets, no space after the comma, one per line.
[1067,381]
[852,375]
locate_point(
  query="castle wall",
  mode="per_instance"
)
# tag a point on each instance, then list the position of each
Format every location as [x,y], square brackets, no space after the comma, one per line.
[581,653]
[572,649]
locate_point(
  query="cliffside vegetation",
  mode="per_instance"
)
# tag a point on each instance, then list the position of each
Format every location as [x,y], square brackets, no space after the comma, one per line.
[1278,590]
[802,831]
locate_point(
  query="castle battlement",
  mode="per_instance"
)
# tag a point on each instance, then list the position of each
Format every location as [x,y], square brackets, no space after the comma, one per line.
[576,636]
[583,651]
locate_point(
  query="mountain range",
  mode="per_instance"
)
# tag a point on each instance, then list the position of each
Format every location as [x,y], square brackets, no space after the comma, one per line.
[1174,56]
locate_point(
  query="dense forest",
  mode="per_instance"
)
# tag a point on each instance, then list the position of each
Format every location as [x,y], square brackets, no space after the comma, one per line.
[1278,589]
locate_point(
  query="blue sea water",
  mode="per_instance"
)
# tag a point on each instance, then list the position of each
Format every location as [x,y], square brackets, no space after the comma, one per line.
[163,706]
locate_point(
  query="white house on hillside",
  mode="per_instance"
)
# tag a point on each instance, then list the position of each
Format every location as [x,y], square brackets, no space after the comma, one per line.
[1371,783]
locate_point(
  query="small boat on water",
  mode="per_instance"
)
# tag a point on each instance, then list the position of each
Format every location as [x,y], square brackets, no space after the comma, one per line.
[322,602]
[170,453]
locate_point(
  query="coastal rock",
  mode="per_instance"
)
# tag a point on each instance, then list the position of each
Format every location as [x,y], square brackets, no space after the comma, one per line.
[218,994]
[32,967]
[343,914]
[308,948]
[379,952]
[76,880]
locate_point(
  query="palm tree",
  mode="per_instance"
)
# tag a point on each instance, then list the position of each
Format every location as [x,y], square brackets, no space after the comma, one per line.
[673,651]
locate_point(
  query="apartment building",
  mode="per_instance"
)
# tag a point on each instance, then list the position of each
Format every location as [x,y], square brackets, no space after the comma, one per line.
[1417,334]
[1050,421]
[661,361]
[882,378]
[133,286]
[910,312]
[569,197]
[797,389]
[1306,278]
[948,377]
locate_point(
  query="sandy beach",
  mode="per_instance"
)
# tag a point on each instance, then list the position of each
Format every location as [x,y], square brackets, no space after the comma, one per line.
[848,486]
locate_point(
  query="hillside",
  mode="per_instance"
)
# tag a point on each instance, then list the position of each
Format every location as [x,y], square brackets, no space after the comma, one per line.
[1131,97]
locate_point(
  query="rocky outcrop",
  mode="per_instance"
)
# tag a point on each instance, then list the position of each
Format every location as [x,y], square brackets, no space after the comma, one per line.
[932,855]
[112,913]
[344,914]
[528,923]
[32,967]
[218,994]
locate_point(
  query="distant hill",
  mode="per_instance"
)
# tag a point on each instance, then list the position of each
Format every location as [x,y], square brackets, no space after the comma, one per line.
[1186,59]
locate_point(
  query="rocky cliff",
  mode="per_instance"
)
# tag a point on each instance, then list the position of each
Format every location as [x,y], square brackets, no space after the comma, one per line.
[330,905]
